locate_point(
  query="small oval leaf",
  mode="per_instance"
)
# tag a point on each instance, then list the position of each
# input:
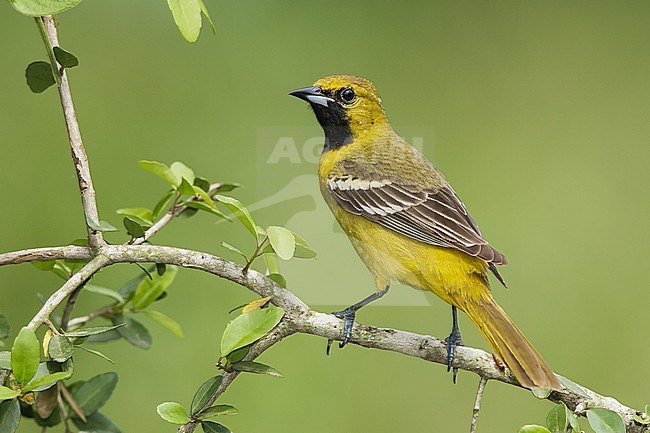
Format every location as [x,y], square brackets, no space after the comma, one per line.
[39,76]
[605,421]
[25,355]
[205,391]
[172,412]
[60,348]
[250,327]
[283,241]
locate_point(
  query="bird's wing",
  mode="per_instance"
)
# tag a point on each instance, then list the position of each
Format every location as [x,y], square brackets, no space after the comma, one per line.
[433,216]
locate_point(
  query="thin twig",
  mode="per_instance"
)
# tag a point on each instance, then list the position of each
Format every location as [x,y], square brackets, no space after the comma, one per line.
[88,317]
[174,211]
[477,404]
[51,326]
[79,157]
[69,306]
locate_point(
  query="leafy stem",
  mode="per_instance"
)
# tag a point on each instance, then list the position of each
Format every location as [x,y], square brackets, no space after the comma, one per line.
[258,252]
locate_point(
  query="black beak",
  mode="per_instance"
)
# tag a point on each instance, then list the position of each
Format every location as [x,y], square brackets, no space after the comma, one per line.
[313,95]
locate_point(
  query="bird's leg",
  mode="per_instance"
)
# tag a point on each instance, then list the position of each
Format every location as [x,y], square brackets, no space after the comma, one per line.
[349,314]
[452,341]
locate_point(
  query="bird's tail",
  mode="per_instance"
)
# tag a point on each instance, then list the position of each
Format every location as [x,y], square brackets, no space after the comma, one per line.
[513,348]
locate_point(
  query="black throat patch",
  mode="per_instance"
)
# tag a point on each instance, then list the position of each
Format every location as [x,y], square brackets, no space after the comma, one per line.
[335,123]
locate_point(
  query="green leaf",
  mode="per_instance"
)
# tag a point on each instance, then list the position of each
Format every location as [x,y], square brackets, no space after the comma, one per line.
[65,59]
[238,355]
[25,355]
[9,416]
[183,171]
[149,290]
[556,420]
[605,421]
[227,187]
[533,429]
[133,228]
[141,215]
[240,211]
[94,393]
[185,188]
[187,15]
[165,321]
[303,252]
[162,204]
[282,241]
[234,249]
[249,327]
[39,76]
[5,327]
[218,410]
[205,12]
[61,269]
[204,393]
[256,367]
[302,249]
[95,352]
[162,171]
[92,330]
[44,266]
[207,199]
[199,205]
[48,379]
[572,419]
[161,268]
[134,332]
[8,393]
[214,427]
[97,423]
[271,261]
[98,290]
[188,212]
[102,226]
[202,183]
[39,8]
[172,412]
[60,348]
[44,369]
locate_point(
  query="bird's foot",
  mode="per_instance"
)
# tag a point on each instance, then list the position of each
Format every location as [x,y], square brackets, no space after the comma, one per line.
[348,316]
[452,342]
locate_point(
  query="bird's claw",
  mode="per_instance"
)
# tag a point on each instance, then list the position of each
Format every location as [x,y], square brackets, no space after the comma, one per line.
[348,316]
[452,342]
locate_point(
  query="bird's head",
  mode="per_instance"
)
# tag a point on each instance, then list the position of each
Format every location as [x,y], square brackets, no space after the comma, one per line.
[345,107]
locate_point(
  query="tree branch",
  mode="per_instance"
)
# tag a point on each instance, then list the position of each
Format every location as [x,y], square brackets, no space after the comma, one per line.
[299,318]
[84,274]
[477,404]
[79,157]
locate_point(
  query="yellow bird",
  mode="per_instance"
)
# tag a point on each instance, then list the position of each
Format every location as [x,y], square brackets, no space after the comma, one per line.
[406,222]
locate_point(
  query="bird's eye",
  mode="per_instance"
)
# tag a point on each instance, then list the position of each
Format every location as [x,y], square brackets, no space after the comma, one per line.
[348,96]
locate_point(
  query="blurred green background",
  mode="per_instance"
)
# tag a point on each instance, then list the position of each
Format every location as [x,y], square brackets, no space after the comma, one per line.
[537,112]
